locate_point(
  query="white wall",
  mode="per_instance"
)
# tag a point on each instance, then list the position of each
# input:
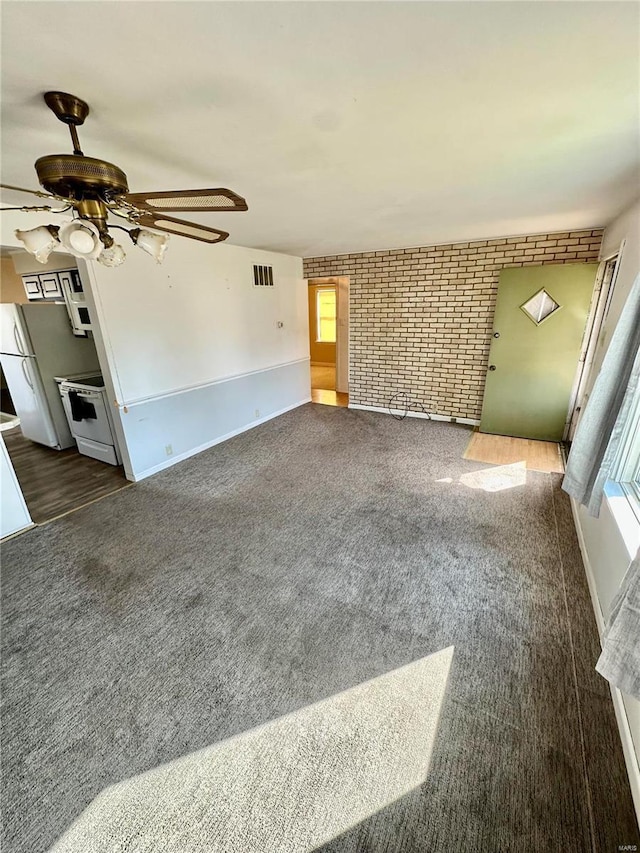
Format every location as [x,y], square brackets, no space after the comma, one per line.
[608,542]
[195,351]
[197,317]
[190,350]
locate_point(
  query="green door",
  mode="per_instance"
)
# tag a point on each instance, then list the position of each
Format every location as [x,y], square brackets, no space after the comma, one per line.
[541,313]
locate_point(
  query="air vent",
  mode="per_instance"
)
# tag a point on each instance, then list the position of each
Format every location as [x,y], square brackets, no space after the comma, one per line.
[262,276]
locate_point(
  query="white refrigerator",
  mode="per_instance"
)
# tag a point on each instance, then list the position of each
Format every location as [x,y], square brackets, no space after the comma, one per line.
[36,345]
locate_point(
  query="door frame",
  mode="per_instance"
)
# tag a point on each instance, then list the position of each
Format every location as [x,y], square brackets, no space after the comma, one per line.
[600,302]
[342,284]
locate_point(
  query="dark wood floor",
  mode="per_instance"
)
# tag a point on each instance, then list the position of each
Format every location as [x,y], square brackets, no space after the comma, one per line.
[55,482]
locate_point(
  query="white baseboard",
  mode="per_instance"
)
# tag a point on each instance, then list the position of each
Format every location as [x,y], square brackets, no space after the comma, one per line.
[18,532]
[591,582]
[628,747]
[195,450]
[428,417]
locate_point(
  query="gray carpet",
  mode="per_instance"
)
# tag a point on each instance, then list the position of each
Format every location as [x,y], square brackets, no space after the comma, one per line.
[300,560]
[289,785]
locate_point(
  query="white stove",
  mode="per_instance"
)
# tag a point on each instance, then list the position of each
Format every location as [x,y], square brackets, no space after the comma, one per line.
[89,415]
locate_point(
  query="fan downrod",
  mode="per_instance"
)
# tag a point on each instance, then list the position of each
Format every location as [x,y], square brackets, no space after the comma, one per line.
[70,110]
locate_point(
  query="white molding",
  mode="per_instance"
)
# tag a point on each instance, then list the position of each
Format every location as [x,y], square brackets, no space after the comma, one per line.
[218,440]
[424,416]
[207,384]
[628,747]
[19,532]
[587,345]
[591,581]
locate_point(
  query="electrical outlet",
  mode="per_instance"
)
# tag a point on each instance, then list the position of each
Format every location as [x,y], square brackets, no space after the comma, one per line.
[168,449]
[257,413]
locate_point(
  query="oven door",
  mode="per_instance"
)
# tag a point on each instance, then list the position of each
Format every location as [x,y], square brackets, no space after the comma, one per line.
[94,428]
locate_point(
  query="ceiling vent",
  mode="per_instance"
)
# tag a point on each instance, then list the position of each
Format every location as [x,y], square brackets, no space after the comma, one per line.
[262,276]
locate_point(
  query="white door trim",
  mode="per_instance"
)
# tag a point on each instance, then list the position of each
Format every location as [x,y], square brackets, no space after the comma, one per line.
[597,315]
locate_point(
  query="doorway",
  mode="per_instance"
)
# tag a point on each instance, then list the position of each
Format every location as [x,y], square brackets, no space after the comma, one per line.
[40,348]
[329,340]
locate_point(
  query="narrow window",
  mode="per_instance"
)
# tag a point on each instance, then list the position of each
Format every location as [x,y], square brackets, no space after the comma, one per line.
[627,472]
[326,315]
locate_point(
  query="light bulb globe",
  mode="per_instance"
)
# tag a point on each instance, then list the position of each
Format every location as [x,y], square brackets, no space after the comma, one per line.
[112,257]
[82,241]
[40,241]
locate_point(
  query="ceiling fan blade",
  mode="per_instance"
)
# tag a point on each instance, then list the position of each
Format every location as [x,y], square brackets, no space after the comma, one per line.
[196,200]
[181,227]
[39,193]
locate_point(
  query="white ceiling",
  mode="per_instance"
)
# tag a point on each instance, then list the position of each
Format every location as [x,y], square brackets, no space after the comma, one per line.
[347,126]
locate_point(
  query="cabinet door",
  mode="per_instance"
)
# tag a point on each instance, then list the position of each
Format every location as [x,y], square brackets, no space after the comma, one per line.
[76,282]
[32,286]
[74,297]
[71,284]
[50,285]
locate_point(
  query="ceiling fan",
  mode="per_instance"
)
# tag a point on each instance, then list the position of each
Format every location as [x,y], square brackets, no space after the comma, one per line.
[93,189]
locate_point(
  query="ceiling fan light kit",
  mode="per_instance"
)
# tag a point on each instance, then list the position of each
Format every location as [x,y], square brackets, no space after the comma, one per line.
[40,241]
[81,239]
[112,257]
[154,244]
[95,188]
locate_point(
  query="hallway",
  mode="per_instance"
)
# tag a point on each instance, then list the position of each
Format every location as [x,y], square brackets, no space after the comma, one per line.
[323,386]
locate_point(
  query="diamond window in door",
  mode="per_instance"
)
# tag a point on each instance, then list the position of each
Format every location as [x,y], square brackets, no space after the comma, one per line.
[540,306]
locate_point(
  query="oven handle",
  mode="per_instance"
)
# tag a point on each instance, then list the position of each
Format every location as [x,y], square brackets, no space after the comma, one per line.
[81,392]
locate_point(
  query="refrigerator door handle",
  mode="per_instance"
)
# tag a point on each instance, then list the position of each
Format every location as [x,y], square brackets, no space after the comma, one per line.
[26,374]
[16,338]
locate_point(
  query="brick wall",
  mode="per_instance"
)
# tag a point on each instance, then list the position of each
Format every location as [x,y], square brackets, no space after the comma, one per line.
[421,319]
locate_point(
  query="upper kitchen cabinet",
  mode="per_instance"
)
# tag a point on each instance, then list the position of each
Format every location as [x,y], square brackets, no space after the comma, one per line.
[24,279]
[62,284]
[43,286]
[32,287]
[73,292]
[50,284]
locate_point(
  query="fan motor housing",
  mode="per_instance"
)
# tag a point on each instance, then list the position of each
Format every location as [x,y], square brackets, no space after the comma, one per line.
[79,176]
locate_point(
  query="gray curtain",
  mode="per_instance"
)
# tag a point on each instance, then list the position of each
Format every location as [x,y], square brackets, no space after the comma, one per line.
[596,443]
[620,658]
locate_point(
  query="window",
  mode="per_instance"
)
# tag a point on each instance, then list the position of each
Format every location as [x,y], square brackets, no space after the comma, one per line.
[540,306]
[326,315]
[627,472]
